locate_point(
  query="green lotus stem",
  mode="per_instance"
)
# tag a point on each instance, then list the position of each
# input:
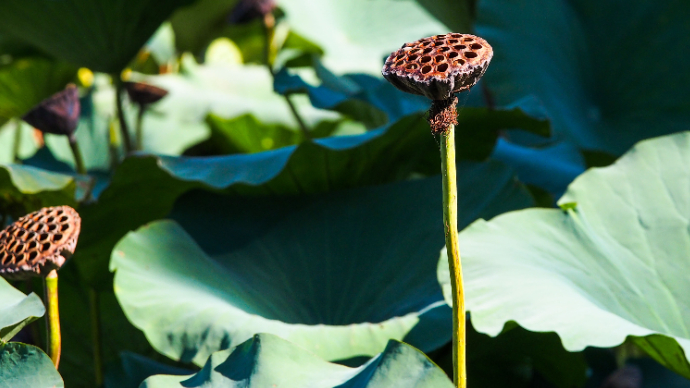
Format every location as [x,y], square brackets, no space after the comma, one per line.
[450,222]
[54,340]
[269,27]
[94,307]
[119,90]
[111,138]
[17,142]
[81,168]
[139,129]
[300,122]
[78,160]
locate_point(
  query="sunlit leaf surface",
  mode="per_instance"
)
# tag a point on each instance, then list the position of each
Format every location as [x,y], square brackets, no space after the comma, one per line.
[24,189]
[337,274]
[611,264]
[16,310]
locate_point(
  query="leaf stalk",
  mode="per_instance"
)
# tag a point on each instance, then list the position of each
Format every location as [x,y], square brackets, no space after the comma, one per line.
[269,29]
[54,339]
[139,128]
[124,129]
[78,159]
[450,222]
[16,147]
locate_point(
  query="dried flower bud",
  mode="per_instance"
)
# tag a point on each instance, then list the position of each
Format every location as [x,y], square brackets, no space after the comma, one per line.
[58,114]
[144,94]
[438,66]
[39,242]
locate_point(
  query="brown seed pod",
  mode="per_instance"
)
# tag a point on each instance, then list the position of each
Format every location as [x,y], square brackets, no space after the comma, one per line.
[438,66]
[58,114]
[144,94]
[39,242]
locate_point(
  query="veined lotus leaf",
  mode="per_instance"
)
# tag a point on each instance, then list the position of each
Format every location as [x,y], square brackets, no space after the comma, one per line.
[610,264]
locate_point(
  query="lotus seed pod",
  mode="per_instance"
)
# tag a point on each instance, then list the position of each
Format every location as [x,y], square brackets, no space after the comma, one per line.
[39,242]
[438,66]
[144,94]
[58,114]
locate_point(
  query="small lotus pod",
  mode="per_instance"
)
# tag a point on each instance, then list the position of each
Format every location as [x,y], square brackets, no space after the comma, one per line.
[58,114]
[39,242]
[144,94]
[438,66]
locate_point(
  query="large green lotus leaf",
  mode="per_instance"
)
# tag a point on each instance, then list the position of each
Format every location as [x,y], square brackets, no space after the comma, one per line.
[16,310]
[313,166]
[357,35]
[103,35]
[26,366]
[219,293]
[24,189]
[587,61]
[610,265]
[27,81]
[269,361]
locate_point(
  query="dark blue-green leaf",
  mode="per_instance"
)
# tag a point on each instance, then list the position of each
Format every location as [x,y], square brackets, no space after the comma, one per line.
[103,35]
[590,63]
[26,366]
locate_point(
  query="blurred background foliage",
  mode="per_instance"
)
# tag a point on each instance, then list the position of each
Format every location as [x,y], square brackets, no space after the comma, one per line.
[283,188]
